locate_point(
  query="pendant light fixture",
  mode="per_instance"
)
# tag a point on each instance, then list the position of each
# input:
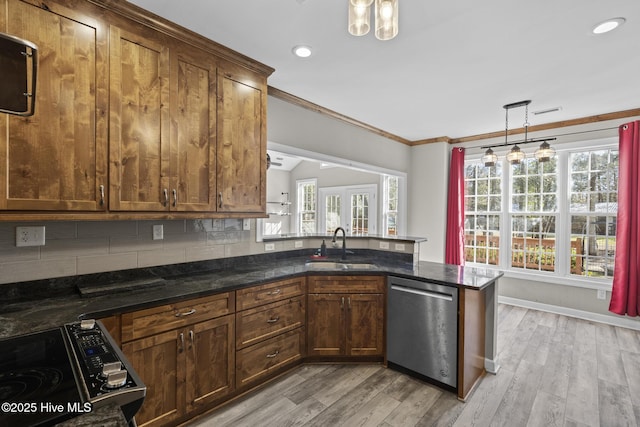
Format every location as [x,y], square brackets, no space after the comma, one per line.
[515,156]
[386,18]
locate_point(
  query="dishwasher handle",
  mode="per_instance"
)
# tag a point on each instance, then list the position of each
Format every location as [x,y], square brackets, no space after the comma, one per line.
[445,297]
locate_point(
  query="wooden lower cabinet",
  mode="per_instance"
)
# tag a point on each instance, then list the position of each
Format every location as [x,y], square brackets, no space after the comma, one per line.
[341,323]
[184,369]
[159,361]
[261,360]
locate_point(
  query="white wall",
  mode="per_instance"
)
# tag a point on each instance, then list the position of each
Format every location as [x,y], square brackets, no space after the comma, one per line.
[294,126]
[427,193]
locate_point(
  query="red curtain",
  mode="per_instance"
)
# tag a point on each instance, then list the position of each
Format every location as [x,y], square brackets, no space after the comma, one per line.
[624,298]
[454,253]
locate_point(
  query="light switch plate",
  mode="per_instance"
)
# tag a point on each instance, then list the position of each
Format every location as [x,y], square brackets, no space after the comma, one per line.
[602,294]
[246,224]
[297,244]
[384,245]
[30,236]
[270,247]
[158,232]
[399,246]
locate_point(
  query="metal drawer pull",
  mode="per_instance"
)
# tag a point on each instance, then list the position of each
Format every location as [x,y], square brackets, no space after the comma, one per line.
[272,355]
[186,313]
[175,197]
[166,197]
[276,292]
[273,320]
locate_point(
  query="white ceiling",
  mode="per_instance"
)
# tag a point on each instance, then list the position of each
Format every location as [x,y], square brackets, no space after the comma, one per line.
[451,68]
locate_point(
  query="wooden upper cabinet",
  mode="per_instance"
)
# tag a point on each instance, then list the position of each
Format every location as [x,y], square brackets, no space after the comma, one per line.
[193,133]
[139,122]
[57,158]
[242,149]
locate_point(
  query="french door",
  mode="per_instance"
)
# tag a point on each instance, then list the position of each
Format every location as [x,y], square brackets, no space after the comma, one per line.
[353,208]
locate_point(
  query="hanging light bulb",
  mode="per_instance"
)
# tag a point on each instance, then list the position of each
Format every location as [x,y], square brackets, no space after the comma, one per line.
[490,158]
[359,17]
[545,152]
[515,155]
[386,21]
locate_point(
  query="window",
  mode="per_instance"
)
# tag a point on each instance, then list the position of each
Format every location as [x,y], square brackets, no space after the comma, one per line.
[593,195]
[390,207]
[483,213]
[553,218]
[306,206]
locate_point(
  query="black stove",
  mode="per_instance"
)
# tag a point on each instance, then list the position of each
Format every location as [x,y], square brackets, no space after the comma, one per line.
[51,376]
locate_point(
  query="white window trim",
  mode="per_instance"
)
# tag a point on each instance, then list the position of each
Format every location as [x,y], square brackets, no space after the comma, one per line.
[562,274]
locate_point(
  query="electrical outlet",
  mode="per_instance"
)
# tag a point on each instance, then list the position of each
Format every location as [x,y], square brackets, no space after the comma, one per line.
[270,247]
[158,232]
[30,236]
[297,244]
[384,245]
[602,294]
[246,224]
[399,246]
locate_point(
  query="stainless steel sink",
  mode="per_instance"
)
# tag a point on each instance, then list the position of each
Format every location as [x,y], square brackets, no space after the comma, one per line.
[331,265]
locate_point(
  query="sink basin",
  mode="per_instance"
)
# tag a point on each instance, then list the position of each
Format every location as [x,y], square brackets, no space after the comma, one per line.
[331,265]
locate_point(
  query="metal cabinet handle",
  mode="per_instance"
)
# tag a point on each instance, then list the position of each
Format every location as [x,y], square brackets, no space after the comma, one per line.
[273,319]
[166,197]
[181,341]
[349,302]
[272,355]
[175,197]
[102,195]
[342,303]
[276,292]
[220,199]
[191,336]
[186,313]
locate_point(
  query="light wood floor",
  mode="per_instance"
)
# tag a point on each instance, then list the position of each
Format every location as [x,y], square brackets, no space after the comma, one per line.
[555,371]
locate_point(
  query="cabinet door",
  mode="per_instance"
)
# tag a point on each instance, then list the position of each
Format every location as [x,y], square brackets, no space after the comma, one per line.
[193,134]
[57,158]
[365,323]
[242,146]
[210,361]
[159,361]
[326,324]
[139,122]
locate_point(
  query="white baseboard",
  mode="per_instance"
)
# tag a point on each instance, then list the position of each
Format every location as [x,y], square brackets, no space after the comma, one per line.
[491,366]
[625,322]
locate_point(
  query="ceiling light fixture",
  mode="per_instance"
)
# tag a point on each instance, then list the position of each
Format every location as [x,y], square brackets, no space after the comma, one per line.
[302,51]
[386,18]
[515,156]
[608,25]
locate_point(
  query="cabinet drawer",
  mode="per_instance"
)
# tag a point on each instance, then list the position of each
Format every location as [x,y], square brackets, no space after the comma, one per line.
[260,323]
[346,284]
[263,294]
[154,320]
[260,360]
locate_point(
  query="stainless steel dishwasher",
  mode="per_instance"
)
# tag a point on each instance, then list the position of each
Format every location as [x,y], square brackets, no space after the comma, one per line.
[422,328]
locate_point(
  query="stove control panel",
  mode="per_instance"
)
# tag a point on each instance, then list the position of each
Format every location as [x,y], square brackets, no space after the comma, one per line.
[102,365]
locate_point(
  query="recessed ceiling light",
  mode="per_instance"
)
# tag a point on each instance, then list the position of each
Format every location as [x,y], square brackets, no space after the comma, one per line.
[302,51]
[608,25]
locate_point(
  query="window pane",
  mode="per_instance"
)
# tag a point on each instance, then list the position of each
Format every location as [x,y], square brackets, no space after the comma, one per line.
[533,242]
[482,231]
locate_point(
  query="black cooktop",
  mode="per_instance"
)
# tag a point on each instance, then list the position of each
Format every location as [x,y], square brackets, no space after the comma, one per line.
[36,380]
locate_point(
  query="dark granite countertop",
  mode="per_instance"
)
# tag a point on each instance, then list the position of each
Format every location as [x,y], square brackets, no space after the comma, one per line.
[44,313]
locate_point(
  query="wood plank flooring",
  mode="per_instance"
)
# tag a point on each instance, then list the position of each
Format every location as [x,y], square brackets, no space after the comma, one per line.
[555,371]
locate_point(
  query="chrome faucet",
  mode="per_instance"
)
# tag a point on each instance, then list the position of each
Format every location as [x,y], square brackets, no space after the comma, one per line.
[344,241]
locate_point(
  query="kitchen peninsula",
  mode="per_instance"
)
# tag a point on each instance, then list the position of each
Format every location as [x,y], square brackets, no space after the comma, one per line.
[227,295]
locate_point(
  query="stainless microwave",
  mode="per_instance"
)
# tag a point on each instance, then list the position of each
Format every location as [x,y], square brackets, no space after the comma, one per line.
[18,72]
